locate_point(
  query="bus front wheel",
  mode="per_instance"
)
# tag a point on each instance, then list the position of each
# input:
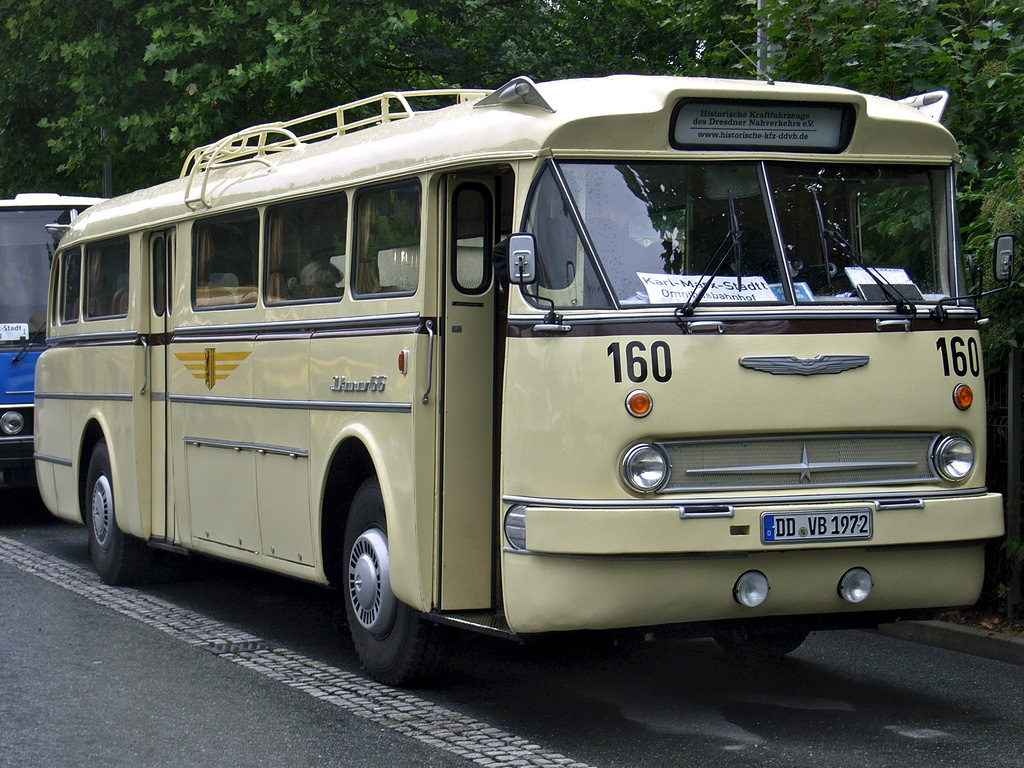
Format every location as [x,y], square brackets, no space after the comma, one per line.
[396,644]
[119,559]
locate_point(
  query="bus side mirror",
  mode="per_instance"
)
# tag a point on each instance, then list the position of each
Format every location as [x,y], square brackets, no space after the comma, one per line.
[522,259]
[1002,258]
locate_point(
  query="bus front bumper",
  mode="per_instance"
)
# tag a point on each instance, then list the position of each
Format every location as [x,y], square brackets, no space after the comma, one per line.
[569,577]
[16,464]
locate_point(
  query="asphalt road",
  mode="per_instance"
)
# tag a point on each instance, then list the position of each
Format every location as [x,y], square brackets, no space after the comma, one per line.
[223,666]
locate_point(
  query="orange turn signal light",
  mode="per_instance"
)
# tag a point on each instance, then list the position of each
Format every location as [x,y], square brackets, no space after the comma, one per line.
[639,403]
[963,396]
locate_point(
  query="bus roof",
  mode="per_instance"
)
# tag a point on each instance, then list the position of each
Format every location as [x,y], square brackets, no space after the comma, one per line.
[611,117]
[48,200]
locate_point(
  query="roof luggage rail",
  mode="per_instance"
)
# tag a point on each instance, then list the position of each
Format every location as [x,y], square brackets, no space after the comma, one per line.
[257,143]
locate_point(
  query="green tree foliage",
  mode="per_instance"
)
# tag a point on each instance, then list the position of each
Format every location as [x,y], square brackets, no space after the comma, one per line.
[144,81]
[894,48]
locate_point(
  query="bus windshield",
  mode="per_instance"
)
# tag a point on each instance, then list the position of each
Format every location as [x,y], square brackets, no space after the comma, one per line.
[746,233]
[25,250]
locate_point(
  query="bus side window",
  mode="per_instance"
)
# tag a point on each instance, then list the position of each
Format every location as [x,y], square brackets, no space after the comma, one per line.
[471,259]
[71,286]
[158,267]
[306,250]
[225,251]
[387,239]
[106,286]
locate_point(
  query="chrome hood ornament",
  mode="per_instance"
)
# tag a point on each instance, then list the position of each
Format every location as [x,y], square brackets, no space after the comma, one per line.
[790,365]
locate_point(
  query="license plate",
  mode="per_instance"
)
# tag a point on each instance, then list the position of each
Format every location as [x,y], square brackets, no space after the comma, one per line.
[833,525]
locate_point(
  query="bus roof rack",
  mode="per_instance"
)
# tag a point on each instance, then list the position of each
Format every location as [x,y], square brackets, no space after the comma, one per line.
[258,142]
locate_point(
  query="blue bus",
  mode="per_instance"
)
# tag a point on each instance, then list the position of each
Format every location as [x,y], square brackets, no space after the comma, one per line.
[30,226]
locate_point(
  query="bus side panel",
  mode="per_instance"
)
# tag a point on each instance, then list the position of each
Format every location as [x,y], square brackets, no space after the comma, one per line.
[210,382]
[397,430]
[109,380]
[102,399]
[281,372]
[56,473]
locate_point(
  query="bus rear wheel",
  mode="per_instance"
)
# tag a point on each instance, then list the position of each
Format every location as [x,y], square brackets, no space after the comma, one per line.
[119,559]
[396,644]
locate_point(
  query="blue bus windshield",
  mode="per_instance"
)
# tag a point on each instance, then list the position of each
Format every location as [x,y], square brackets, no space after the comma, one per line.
[25,251]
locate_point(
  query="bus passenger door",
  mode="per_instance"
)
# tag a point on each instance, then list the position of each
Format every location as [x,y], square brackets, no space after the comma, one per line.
[467,526]
[161,259]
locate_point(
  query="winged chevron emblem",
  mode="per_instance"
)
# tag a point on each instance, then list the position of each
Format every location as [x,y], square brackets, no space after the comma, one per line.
[790,365]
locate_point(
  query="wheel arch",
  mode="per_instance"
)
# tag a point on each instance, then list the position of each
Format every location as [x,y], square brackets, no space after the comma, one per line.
[350,466]
[92,434]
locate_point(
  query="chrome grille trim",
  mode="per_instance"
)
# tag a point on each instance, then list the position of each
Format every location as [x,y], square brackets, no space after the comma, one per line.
[742,501]
[799,461]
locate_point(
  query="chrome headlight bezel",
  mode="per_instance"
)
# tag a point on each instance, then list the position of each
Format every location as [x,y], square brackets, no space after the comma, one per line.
[953,457]
[12,423]
[645,468]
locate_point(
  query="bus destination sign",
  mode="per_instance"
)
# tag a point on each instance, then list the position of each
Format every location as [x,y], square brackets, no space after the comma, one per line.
[13,331]
[710,124]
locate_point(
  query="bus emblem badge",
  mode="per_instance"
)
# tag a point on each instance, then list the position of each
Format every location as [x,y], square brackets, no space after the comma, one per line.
[209,366]
[210,361]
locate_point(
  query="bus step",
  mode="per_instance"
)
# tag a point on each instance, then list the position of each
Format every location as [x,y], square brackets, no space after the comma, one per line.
[487,622]
[168,546]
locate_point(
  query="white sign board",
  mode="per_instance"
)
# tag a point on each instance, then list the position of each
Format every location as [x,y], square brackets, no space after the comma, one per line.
[705,124]
[13,331]
[894,278]
[678,289]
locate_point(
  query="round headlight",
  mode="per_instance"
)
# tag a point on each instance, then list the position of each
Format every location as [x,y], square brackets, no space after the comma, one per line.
[953,457]
[751,589]
[645,468]
[12,422]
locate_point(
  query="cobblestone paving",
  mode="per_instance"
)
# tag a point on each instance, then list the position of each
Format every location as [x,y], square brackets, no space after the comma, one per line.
[394,709]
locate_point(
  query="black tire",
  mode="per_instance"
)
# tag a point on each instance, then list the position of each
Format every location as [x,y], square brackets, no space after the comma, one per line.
[119,559]
[396,644]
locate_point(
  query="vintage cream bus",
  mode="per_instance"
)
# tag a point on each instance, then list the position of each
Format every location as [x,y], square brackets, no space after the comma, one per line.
[590,354]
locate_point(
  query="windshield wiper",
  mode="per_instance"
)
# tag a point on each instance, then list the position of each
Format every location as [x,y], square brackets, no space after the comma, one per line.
[730,244]
[819,213]
[28,343]
[827,233]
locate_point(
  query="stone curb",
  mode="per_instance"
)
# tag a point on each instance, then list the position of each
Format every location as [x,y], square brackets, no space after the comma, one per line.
[956,637]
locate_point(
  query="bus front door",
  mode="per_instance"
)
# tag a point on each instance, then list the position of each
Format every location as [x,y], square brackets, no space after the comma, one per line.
[467,409]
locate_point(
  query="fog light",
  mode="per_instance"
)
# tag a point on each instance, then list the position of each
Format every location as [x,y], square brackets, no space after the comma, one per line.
[751,589]
[953,457]
[12,423]
[855,586]
[515,527]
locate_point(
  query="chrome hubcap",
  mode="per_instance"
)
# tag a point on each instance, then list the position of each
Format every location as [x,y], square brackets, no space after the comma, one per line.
[102,512]
[369,583]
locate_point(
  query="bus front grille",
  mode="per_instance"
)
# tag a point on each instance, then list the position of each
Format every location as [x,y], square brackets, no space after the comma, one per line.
[800,461]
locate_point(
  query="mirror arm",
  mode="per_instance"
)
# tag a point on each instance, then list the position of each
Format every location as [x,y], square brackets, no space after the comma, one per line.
[940,313]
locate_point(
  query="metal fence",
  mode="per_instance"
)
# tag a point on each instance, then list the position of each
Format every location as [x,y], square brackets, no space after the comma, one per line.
[1005,450]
